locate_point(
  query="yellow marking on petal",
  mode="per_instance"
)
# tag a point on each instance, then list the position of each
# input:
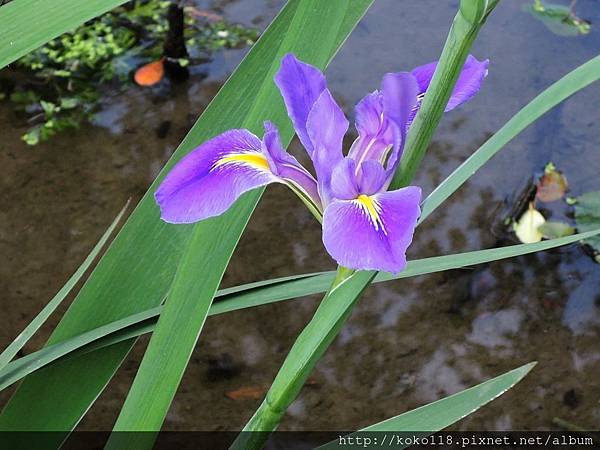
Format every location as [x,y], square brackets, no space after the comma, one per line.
[254,159]
[373,210]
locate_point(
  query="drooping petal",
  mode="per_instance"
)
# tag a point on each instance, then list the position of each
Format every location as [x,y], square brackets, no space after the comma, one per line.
[206,182]
[326,126]
[286,166]
[399,99]
[300,85]
[372,232]
[468,84]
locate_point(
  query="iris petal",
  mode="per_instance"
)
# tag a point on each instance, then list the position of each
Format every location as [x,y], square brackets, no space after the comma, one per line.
[286,166]
[326,127]
[372,232]
[399,99]
[206,182]
[300,85]
[467,85]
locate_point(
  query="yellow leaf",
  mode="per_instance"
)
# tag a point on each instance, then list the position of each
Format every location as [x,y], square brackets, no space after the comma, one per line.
[527,228]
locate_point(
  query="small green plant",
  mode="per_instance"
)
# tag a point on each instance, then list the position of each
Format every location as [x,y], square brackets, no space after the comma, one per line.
[57,84]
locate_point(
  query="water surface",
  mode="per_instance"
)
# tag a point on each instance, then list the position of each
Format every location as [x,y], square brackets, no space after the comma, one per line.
[407,342]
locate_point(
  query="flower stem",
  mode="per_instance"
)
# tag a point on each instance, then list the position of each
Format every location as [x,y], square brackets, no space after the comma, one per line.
[348,285]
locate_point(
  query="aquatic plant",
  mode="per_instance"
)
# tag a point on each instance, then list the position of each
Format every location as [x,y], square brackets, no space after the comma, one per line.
[70,69]
[162,278]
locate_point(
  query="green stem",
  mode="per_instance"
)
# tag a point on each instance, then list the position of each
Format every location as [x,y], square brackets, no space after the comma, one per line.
[308,202]
[465,27]
[349,285]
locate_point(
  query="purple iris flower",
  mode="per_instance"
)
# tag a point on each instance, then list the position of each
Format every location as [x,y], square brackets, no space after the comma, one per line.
[365,226]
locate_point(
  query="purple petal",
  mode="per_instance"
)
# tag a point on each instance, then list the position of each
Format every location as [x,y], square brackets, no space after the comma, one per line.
[399,99]
[300,85]
[375,133]
[372,232]
[206,182]
[285,165]
[344,185]
[468,84]
[368,113]
[326,126]
[372,177]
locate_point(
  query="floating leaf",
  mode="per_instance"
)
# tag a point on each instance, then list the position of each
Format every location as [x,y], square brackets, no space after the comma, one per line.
[248,392]
[527,228]
[587,216]
[151,73]
[555,230]
[552,185]
[559,19]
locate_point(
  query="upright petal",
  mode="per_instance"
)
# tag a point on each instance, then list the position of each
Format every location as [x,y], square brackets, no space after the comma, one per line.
[399,99]
[372,232]
[369,113]
[206,182]
[326,126]
[372,177]
[300,85]
[344,185]
[375,135]
[468,84]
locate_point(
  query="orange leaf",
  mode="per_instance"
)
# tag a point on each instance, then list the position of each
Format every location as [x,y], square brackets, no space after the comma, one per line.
[150,74]
[204,14]
[249,392]
[551,186]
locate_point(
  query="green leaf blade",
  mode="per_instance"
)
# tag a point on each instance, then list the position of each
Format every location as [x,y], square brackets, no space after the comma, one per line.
[440,414]
[9,353]
[568,85]
[137,271]
[27,24]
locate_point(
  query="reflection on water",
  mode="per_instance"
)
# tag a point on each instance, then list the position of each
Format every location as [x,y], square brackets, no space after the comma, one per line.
[407,342]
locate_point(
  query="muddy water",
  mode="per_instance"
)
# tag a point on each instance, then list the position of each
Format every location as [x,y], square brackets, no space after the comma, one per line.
[408,342]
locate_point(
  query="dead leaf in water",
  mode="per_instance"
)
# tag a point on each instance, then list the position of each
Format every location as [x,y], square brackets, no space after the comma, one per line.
[150,74]
[246,393]
[200,13]
[552,186]
[527,228]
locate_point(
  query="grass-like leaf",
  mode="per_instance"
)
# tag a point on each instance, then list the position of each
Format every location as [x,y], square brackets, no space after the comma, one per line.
[138,269]
[568,85]
[442,413]
[205,260]
[9,353]
[256,294]
[27,24]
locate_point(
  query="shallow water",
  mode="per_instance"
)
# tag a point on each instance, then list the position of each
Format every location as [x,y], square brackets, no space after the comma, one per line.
[408,342]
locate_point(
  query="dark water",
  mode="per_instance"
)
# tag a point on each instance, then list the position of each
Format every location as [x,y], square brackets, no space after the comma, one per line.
[407,343]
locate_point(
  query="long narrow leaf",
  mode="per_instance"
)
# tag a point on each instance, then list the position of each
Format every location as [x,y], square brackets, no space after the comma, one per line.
[568,85]
[442,413]
[205,260]
[27,24]
[138,269]
[9,353]
[249,295]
